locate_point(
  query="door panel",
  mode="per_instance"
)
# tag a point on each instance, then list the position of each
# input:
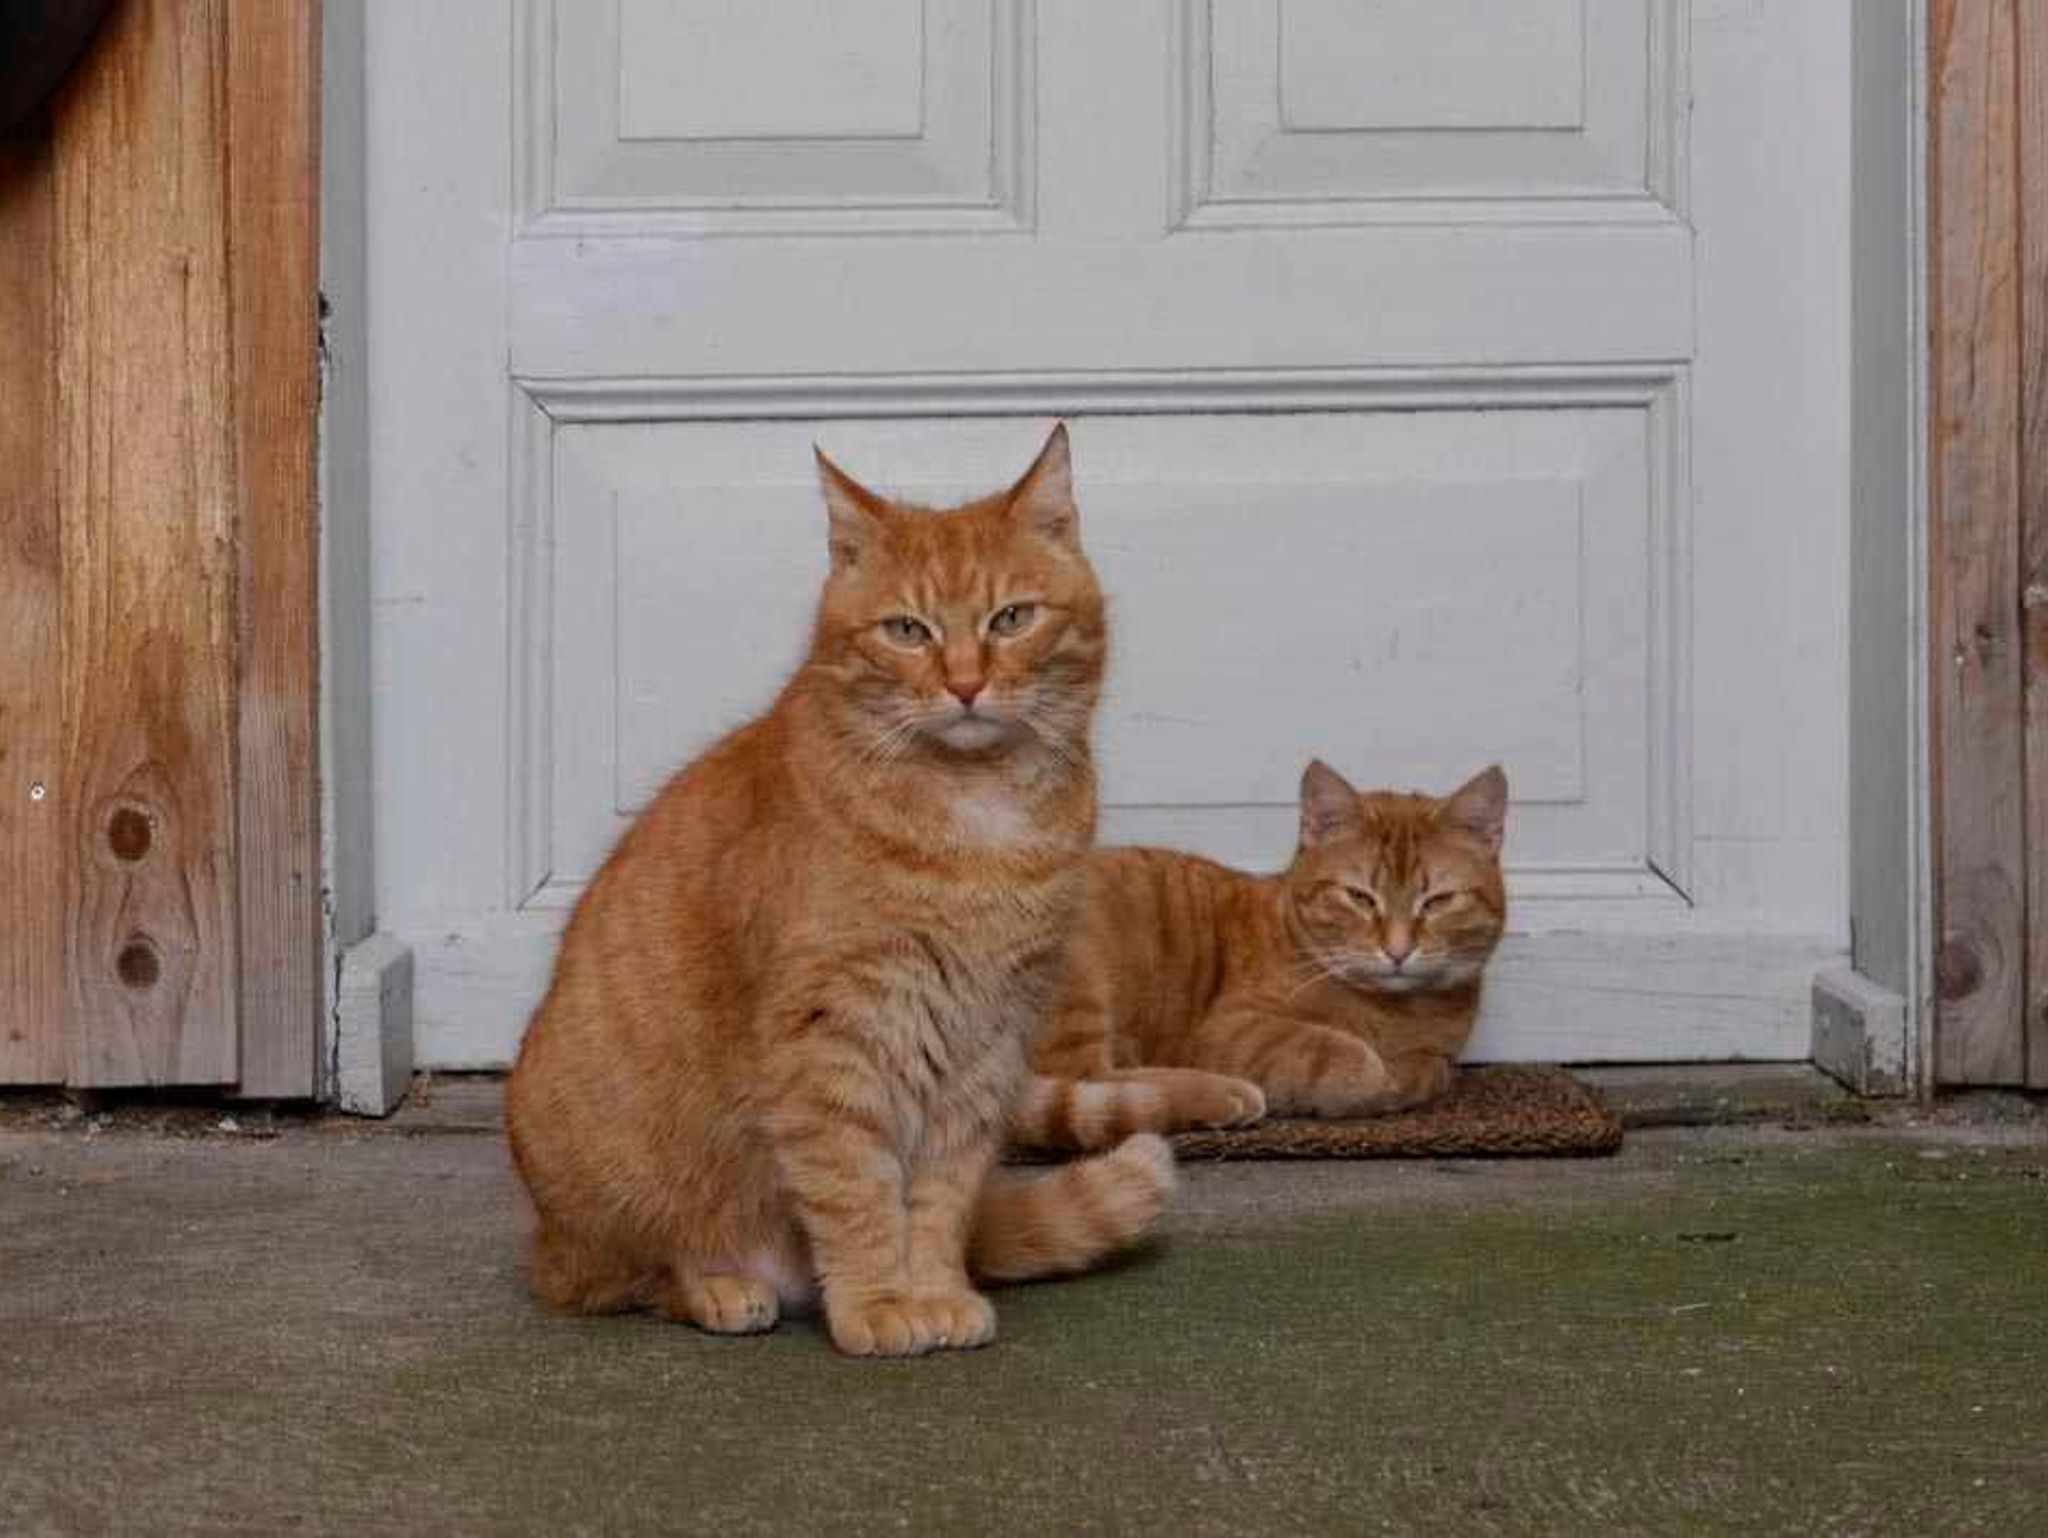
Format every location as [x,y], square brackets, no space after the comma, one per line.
[703,117]
[1373,544]
[1326,110]
[1379,327]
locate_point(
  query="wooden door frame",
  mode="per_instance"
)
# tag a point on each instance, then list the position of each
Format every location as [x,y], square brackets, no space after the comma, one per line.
[369,974]
[1987,538]
[1871,1018]
[159,799]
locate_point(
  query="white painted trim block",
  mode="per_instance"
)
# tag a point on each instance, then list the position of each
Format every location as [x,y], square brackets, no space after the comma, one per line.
[1859,1033]
[373,1027]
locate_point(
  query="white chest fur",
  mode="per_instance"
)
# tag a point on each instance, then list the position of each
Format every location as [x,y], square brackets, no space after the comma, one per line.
[993,815]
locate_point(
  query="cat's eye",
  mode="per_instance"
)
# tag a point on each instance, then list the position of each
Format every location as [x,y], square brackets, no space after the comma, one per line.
[1363,898]
[1012,619]
[1436,902]
[902,630]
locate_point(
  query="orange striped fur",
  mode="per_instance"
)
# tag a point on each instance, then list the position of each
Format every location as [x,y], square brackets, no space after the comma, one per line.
[1344,986]
[790,1018]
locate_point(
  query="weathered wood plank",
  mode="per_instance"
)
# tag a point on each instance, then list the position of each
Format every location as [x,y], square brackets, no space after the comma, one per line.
[2033,129]
[31,721]
[145,444]
[273,174]
[1974,542]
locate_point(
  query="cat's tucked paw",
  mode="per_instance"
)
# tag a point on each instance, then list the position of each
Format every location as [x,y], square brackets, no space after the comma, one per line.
[1223,1102]
[1337,1100]
[725,1305]
[1348,1079]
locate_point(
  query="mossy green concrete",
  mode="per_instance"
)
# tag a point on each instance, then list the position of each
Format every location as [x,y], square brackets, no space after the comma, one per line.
[1844,1334]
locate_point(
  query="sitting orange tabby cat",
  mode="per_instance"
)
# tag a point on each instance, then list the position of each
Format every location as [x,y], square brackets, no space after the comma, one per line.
[791,1015]
[1344,986]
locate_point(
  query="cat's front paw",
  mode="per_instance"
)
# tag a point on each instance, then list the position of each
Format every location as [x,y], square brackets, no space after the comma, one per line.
[878,1326]
[962,1319]
[893,1325]
[1342,1102]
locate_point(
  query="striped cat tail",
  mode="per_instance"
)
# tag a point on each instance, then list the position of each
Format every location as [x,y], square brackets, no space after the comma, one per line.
[1073,1217]
[1087,1113]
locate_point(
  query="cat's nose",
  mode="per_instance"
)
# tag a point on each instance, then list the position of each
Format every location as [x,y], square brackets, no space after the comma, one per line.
[964,690]
[1397,951]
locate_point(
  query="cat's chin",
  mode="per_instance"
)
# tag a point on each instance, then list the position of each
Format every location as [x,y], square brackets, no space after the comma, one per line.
[1436,980]
[1394,982]
[974,734]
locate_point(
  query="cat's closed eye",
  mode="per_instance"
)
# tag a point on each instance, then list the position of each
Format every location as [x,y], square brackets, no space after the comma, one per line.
[1012,619]
[1436,902]
[1362,898]
[902,630]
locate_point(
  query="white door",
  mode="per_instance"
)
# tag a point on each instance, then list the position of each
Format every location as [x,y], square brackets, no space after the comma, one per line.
[1451,381]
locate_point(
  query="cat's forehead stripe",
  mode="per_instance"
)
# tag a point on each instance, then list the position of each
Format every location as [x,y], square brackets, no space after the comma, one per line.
[1395,840]
[952,557]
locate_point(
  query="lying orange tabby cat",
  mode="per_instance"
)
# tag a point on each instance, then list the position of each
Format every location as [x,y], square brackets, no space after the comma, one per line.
[1344,986]
[791,1015]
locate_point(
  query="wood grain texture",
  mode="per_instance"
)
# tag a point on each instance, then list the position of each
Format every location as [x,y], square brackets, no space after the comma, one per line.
[147,498]
[273,179]
[1974,542]
[2033,612]
[32,932]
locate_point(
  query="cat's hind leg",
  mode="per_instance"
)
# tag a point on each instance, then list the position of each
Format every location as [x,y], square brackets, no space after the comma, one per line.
[579,1274]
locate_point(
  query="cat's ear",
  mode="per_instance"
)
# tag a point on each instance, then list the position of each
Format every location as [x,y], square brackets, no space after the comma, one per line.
[1328,804]
[855,512]
[1043,497]
[1479,807]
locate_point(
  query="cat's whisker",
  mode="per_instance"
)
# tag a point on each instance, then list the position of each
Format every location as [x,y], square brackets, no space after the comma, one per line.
[1310,969]
[888,746]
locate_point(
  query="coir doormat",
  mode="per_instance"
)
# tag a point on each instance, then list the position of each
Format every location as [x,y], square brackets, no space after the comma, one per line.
[1498,1112]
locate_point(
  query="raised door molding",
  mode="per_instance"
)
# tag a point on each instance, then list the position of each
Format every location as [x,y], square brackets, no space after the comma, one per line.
[1354,112]
[580,761]
[855,117]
